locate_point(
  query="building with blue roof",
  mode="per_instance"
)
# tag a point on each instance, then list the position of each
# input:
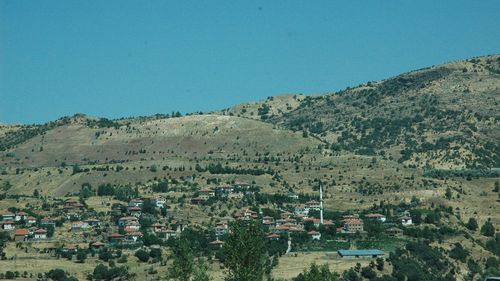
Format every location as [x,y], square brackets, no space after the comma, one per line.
[364,253]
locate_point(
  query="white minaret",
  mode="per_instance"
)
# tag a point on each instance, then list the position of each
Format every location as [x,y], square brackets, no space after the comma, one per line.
[320,204]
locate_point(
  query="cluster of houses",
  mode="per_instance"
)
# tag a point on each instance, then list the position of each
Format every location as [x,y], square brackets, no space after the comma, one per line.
[296,223]
[230,191]
[24,227]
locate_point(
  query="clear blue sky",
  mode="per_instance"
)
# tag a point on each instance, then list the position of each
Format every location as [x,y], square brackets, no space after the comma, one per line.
[128,58]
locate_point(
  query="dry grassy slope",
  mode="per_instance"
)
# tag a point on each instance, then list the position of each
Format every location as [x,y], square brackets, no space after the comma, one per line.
[277,105]
[185,137]
[458,103]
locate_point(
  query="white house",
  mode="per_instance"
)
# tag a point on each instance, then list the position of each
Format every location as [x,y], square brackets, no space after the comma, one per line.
[406,220]
[40,234]
[314,235]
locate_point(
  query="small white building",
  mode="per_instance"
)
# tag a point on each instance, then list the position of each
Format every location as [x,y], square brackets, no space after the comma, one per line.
[315,235]
[406,220]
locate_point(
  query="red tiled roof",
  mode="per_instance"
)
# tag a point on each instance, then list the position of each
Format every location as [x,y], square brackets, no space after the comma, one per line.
[21,232]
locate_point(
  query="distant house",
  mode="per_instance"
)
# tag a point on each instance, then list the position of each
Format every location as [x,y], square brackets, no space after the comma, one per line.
[8,225]
[352,226]
[242,185]
[394,231]
[46,221]
[157,199]
[293,196]
[198,200]
[267,220]
[208,193]
[21,216]
[224,190]
[92,222]
[135,203]
[79,225]
[133,237]
[300,209]
[369,253]
[115,238]
[313,205]
[126,220]
[377,217]
[406,220]
[132,226]
[315,235]
[216,244]
[7,216]
[220,231]
[273,237]
[40,234]
[31,220]
[135,211]
[97,245]
[21,234]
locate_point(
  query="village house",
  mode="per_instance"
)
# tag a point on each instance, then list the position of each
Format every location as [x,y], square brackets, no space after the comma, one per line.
[224,190]
[235,195]
[315,235]
[352,226]
[31,220]
[313,205]
[267,220]
[158,200]
[132,226]
[21,216]
[92,222]
[97,245]
[135,211]
[21,234]
[394,231]
[242,185]
[208,193]
[133,237]
[166,234]
[70,249]
[300,209]
[135,203]
[216,244]
[197,200]
[376,217]
[273,237]
[8,225]
[115,238]
[220,231]
[40,234]
[406,220]
[7,216]
[79,225]
[293,196]
[317,222]
[125,220]
[46,221]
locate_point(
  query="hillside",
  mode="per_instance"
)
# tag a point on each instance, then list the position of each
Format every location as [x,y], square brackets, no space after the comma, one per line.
[444,116]
[396,147]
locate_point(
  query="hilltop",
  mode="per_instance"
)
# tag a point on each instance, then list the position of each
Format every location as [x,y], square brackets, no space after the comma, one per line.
[444,116]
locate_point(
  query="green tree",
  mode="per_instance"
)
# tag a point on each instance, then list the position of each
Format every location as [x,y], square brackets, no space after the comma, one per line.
[81,256]
[316,272]
[183,265]
[448,193]
[472,224]
[200,274]
[142,255]
[488,229]
[245,252]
